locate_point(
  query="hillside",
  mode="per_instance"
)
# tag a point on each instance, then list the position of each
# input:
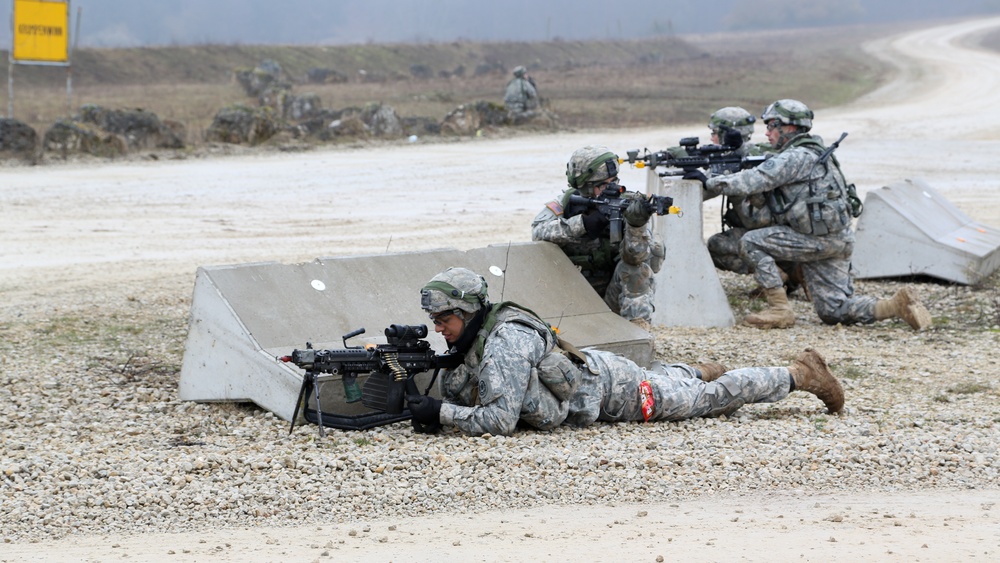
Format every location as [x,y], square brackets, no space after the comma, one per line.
[587,84]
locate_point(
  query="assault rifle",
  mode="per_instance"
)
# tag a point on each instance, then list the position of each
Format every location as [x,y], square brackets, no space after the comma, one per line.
[391,368]
[720,159]
[611,204]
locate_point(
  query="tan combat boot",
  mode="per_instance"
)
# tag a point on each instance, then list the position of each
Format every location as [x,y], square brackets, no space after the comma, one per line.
[778,314]
[710,371]
[903,305]
[811,374]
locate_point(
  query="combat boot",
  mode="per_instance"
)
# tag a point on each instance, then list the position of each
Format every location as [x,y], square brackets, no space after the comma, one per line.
[778,314]
[811,374]
[710,371]
[903,305]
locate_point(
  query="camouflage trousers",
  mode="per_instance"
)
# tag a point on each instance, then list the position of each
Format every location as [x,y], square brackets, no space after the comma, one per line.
[826,269]
[622,391]
[724,248]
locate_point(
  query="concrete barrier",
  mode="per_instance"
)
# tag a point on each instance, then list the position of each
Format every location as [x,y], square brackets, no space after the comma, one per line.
[688,290]
[909,228]
[243,316]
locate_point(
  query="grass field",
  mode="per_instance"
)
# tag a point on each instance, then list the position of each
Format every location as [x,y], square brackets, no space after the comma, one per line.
[595,84]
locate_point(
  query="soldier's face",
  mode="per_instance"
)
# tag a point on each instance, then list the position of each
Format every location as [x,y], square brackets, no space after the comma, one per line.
[450,326]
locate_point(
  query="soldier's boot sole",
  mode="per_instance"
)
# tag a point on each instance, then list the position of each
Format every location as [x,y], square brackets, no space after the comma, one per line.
[812,375]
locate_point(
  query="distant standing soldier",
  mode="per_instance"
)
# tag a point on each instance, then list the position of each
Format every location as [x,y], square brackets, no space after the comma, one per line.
[520,96]
[811,203]
[621,272]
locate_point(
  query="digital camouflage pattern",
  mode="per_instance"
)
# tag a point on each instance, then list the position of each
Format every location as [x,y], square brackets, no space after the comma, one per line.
[622,274]
[490,395]
[520,96]
[825,259]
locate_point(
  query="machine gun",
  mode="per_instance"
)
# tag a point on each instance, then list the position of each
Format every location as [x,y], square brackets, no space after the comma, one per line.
[720,159]
[391,368]
[612,205]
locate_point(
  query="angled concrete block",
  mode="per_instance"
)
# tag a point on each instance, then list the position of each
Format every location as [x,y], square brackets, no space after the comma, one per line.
[244,316]
[688,290]
[909,228]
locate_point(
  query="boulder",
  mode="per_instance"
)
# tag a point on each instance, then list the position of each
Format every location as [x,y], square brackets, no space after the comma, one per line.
[141,129]
[466,119]
[69,136]
[382,120]
[17,138]
[242,125]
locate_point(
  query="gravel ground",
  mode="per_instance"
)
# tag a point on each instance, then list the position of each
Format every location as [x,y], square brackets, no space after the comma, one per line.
[97,443]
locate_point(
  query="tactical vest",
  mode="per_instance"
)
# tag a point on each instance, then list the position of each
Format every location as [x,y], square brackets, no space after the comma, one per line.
[815,205]
[599,262]
[555,371]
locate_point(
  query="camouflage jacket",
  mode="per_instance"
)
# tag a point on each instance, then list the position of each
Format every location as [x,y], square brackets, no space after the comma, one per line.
[808,196]
[522,375]
[520,95]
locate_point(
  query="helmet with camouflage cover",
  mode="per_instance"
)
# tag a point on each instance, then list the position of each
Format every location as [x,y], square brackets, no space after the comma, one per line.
[455,288]
[591,165]
[519,71]
[789,112]
[732,118]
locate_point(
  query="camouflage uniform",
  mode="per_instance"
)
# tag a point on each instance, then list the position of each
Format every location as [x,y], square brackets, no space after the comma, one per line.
[825,257]
[622,272]
[520,95]
[491,393]
[515,370]
[740,214]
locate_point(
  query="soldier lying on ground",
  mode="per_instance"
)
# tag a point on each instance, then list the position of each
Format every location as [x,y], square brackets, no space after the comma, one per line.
[515,371]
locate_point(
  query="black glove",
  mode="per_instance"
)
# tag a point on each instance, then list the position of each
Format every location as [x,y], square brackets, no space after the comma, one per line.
[638,213]
[696,175]
[732,139]
[595,222]
[425,409]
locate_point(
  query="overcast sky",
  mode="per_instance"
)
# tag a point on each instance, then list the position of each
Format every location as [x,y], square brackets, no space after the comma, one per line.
[125,23]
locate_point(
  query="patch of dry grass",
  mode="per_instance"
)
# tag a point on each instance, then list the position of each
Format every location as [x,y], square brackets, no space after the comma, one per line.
[589,85]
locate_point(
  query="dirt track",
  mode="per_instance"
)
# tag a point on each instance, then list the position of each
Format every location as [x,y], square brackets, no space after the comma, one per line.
[73,231]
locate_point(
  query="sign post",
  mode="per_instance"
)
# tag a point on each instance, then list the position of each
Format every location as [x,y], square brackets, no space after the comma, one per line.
[40,36]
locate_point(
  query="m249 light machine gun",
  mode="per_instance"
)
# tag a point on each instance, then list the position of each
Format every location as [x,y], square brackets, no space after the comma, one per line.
[391,368]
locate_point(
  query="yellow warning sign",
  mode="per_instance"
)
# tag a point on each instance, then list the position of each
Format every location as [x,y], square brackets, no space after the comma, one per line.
[41,31]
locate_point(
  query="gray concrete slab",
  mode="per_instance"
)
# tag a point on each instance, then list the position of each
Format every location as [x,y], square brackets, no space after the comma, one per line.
[909,228]
[688,290]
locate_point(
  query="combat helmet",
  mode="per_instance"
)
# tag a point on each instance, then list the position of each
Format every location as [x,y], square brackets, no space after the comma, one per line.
[590,165]
[519,71]
[789,112]
[454,288]
[732,118]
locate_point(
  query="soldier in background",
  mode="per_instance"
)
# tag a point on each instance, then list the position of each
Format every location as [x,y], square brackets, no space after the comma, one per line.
[521,96]
[517,370]
[621,272]
[810,201]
